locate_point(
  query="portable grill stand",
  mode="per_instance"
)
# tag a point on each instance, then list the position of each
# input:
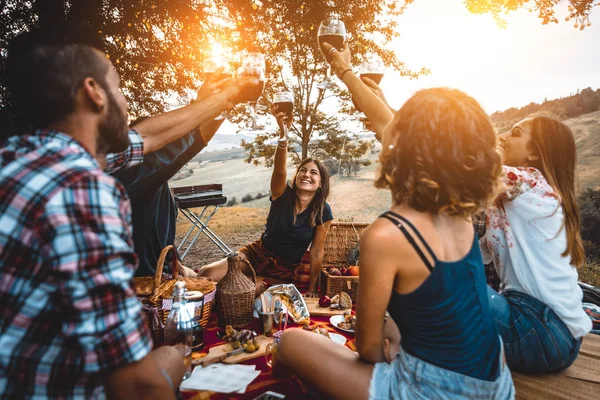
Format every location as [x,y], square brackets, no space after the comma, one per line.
[203,196]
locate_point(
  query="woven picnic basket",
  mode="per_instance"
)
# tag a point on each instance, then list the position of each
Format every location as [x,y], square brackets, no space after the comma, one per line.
[341,250]
[155,293]
[235,293]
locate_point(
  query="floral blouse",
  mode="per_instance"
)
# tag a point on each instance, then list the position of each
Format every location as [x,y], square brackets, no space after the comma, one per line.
[525,237]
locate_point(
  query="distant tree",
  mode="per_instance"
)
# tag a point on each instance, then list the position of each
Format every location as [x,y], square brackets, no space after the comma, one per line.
[231,202]
[333,166]
[579,10]
[247,198]
[589,206]
[351,157]
[286,32]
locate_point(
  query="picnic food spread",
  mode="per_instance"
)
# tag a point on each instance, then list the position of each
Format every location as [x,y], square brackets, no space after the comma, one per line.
[244,338]
[349,321]
[341,301]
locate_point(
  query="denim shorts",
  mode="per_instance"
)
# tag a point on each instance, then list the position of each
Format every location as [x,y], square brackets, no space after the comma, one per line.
[535,338]
[409,377]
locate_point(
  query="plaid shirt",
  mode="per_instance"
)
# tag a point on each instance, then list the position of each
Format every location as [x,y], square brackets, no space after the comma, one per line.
[68,310]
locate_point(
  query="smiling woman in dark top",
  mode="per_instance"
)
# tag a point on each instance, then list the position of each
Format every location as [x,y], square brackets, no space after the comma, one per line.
[299,216]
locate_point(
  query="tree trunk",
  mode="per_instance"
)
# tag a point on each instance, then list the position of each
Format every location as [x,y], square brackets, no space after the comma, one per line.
[304,150]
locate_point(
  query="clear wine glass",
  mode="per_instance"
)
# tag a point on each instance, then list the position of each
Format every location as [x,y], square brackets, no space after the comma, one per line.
[374,69]
[253,65]
[210,66]
[332,31]
[285,103]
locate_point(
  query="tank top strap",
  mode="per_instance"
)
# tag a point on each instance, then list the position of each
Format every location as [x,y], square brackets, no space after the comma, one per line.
[400,221]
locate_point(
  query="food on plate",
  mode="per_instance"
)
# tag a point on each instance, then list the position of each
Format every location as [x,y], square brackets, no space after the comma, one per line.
[197,356]
[324,301]
[320,331]
[245,338]
[349,321]
[341,301]
[353,270]
[335,272]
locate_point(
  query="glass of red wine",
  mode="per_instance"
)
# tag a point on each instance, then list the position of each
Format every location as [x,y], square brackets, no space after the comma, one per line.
[332,31]
[210,66]
[374,69]
[285,103]
[253,65]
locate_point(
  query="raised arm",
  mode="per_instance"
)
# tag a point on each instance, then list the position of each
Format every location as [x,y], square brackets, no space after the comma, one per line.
[279,176]
[376,110]
[164,128]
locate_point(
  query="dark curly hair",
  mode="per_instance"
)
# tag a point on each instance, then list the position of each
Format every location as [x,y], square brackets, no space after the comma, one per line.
[439,154]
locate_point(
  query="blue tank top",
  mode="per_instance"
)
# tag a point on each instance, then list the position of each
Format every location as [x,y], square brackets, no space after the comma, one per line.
[446,321]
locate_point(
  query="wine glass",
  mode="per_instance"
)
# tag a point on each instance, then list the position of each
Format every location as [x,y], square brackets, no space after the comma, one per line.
[253,65]
[373,68]
[210,66]
[332,31]
[285,103]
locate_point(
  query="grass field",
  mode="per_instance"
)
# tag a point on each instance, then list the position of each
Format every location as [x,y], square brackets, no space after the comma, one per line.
[351,197]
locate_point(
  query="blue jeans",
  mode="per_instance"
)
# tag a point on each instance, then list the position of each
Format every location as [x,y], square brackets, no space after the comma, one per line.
[408,377]
[535,338]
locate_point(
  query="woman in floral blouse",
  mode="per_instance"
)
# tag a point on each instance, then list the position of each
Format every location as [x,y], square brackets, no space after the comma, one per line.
[533,239]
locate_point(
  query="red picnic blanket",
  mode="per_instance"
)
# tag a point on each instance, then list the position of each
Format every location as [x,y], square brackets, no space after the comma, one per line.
[292,388]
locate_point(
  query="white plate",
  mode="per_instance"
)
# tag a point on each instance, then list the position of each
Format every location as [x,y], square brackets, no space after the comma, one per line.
[337,319]
[336,337]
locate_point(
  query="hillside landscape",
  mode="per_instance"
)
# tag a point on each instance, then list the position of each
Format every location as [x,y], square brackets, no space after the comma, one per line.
[352,198]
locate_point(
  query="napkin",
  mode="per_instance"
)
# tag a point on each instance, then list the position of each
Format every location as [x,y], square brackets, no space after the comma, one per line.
[222,378]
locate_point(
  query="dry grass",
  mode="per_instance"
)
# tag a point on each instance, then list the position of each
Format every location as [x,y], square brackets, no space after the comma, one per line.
[230,221]
[590,274]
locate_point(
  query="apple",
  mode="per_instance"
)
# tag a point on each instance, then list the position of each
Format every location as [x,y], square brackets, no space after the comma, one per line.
[344,271]
[324,301]
[335,272]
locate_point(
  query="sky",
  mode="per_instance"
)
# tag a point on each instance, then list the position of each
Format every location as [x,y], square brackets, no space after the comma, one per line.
[501,68]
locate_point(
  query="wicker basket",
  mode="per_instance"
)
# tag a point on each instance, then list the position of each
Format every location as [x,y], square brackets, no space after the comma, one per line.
[155,293]
[235,294]
[340,249]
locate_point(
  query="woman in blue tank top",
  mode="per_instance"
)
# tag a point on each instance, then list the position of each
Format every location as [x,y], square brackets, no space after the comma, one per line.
[421,262]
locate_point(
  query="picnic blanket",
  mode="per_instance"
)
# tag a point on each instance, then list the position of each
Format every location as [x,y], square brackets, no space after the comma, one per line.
[292,387]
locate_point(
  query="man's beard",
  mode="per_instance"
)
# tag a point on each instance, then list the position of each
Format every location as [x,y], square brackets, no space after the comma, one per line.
[113,131]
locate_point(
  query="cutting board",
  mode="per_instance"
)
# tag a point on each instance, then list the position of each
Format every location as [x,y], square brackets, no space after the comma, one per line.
[313,308]
[216,351]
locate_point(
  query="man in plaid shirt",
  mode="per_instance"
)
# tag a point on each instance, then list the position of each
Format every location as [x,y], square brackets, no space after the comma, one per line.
[70,324]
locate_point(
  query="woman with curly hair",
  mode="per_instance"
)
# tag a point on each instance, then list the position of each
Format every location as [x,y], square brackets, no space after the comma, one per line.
[420,261]
[532,236]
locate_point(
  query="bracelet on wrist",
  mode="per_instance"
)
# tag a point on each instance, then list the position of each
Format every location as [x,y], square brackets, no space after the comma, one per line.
[343,73]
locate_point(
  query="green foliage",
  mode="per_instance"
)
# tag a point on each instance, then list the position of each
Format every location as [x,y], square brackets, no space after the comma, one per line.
[231,202]
[286,32]
[589,206]
[579,11]
[156,46]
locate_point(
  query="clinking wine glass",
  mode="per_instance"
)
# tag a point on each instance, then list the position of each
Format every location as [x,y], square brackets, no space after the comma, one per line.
[285,103]
[210,66]
[374,69]
[253,65]
[332,31]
